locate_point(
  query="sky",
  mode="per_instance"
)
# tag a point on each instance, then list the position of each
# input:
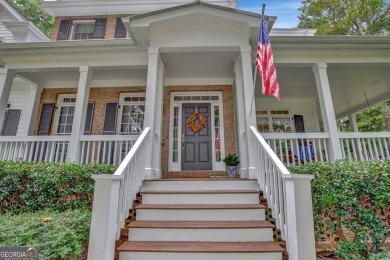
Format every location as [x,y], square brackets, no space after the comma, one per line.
[286,10]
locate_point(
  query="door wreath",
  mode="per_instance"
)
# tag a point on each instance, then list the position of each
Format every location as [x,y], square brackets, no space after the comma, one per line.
[191,122]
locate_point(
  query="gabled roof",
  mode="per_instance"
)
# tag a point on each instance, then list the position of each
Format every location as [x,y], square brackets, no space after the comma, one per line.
[271,19]
[140,26]
[109,7]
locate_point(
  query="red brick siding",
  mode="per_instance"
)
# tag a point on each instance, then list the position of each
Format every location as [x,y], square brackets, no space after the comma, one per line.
[110,27]
[100,96]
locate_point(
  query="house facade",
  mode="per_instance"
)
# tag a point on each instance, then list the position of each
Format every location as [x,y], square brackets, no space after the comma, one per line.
[200,61]
[113,70]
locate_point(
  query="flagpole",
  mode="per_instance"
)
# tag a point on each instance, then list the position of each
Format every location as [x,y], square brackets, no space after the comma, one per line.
[256,69]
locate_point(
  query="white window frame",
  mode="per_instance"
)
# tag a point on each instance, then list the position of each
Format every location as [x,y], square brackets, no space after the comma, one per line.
[59,105]
[122,102]
[75,23]
[269,117]
[176,166]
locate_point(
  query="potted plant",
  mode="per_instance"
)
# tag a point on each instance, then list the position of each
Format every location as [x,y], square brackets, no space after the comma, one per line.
[231,161]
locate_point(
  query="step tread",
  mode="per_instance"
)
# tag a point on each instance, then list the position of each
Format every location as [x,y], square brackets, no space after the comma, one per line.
[200,224]
[225,247]
[200,206]
[202,179]
[201,192]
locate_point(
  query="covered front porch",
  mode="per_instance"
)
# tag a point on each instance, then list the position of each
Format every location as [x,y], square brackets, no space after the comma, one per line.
[94,114]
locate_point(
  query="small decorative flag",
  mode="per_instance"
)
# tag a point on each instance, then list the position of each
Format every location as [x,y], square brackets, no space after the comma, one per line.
[265,63]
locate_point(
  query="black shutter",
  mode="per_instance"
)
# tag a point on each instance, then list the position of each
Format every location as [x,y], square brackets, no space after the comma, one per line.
[110,118]
[11,121]
[120,30]
[88,119]
[64,30]
[100,28]
[46,118]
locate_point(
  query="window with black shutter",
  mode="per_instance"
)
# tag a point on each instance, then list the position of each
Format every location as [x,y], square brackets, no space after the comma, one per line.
[110,118]
[63,32]
[120,30]
[46,119]
[100,28]
[10,123]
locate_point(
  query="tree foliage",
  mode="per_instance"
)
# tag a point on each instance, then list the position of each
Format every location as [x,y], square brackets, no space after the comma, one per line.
[32,10]
[346,17]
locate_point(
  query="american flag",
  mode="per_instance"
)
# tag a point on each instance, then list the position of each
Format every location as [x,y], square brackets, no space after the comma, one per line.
[265,63]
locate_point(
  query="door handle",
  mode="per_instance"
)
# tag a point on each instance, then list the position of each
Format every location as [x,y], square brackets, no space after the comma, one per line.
[182,142]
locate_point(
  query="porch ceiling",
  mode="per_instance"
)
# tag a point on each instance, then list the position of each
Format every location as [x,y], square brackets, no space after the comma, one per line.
[350,84]
[199,68]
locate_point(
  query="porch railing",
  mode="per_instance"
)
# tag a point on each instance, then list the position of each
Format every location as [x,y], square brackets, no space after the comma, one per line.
[296,148]
[113,197]
[34,148]
[109,149]
[288,196]
[365,146]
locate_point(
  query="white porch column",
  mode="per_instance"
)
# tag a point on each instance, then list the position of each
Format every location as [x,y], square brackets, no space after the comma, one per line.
[299,223]
[241,120]
[327,110]
[250,114]
[153,111]
[31,116]
[80,113]
[6,79]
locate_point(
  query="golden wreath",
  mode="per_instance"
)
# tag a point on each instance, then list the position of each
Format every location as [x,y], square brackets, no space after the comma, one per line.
[196,127]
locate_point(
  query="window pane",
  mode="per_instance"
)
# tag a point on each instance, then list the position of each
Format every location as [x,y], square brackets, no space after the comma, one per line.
[281,124]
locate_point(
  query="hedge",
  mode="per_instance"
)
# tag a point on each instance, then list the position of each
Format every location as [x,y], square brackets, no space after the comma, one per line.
[351,204]
[30,187]
[61,235]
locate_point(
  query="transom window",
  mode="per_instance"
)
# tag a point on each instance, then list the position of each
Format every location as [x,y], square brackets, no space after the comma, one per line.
[132,113]
[66,107]
[83,30]
[276,121]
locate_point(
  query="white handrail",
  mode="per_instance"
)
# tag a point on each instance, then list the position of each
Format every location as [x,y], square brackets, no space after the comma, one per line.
[289,198]
[132,169]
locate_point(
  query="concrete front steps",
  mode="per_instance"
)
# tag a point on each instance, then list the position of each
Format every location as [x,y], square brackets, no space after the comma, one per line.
[208,219]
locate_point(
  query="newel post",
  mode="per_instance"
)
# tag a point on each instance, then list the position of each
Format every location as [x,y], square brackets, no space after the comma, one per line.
[104,217]
[299,223]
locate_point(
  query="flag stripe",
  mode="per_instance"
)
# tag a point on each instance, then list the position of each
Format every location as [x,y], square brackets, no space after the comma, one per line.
[265,63]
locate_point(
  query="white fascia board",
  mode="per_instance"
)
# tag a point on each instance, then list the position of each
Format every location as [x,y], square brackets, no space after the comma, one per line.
[326,42]
[95,7]
[67,46]
[292,32]
[37,35]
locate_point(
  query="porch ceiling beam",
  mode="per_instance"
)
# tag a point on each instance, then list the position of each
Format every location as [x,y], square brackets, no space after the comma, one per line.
[47,62]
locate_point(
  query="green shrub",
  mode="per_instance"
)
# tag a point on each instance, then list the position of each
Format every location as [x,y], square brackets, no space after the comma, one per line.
[353,195]
[29,187]
[385,255]
[58,235]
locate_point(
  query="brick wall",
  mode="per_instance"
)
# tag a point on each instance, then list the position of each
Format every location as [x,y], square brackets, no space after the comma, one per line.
[100,96]
[110,27]
[228,115]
